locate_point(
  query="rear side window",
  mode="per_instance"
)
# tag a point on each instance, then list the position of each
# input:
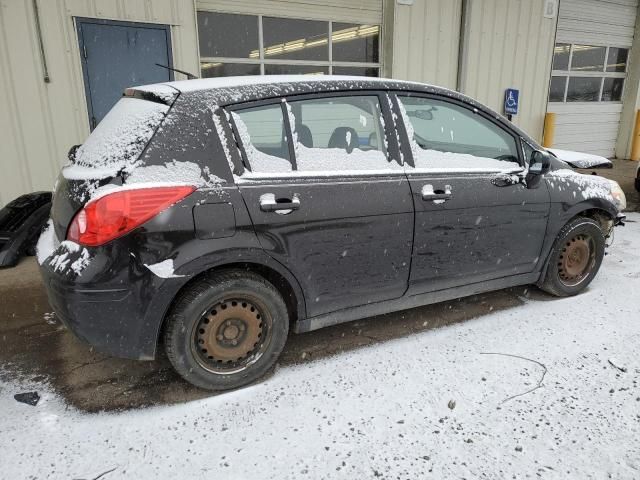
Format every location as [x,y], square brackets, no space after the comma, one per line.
[445,135]
[121,136]
[338,134]
[262,133]
[333,134]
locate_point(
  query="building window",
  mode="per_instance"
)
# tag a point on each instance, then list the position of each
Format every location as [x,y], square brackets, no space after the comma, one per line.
[587,73]
[233,44]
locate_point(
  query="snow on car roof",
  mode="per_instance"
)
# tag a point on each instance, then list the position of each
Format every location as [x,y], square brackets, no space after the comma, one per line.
[247,80]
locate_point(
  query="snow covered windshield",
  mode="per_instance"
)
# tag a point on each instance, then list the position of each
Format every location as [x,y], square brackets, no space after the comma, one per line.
[118,141]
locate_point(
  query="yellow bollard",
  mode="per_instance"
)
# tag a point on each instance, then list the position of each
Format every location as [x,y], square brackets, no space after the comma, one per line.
[549,130]
[635,141]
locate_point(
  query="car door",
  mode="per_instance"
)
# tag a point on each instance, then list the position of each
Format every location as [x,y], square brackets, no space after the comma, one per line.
[475,219]
[326,197]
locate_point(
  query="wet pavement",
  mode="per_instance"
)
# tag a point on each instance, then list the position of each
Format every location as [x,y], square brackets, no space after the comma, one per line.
[33,342]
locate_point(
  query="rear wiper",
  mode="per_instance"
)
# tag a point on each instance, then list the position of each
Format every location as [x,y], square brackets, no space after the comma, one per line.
[190,76]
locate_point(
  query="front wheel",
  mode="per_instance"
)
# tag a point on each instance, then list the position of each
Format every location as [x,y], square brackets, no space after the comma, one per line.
[227,330]
[575,257]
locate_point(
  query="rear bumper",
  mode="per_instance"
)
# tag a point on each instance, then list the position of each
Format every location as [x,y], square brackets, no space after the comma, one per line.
[102,318]
[118,310]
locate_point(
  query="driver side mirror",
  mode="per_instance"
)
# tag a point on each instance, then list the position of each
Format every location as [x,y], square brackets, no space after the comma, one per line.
[540,163]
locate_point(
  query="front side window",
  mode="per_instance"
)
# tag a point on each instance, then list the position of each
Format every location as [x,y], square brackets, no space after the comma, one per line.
[444,135]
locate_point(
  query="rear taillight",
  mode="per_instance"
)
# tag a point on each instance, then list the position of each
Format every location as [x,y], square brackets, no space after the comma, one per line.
[116,214]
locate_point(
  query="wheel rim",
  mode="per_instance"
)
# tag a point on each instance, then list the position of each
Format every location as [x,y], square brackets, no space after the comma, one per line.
[231,335]
[576,260]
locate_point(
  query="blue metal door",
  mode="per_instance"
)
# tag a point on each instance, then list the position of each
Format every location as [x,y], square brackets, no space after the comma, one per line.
[117,55]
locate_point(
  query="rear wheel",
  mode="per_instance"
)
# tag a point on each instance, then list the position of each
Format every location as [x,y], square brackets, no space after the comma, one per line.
[226,330]
[575,257]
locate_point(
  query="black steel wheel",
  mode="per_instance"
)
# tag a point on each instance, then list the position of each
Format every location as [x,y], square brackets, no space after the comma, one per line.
[575,258]
[226,330]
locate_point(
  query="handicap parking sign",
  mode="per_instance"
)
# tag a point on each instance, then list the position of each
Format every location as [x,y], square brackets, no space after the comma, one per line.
[511,96]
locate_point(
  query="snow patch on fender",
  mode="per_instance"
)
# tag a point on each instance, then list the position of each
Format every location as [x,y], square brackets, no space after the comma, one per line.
[65,258]
[589,186]
[47,243]
[163,269]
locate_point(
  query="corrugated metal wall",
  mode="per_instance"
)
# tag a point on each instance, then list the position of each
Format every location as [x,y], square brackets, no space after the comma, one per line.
[39,121]
[509,43]
[597,22]
[359,11]
[425,41]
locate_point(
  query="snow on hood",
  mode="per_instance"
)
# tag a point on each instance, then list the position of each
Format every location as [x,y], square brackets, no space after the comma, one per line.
[581,160]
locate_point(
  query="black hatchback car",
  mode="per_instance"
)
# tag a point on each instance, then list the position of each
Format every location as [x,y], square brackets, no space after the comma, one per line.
[213,216]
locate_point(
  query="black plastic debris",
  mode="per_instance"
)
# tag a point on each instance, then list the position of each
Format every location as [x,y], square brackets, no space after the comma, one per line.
[30,398]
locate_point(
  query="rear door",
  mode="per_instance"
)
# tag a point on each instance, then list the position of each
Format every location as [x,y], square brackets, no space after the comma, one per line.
[332,204]
[475,221]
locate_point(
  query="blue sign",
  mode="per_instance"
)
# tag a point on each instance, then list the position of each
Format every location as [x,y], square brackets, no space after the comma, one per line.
[511,96]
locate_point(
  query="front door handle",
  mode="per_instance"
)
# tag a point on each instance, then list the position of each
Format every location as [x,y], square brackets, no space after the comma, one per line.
[437,196]
[283,206]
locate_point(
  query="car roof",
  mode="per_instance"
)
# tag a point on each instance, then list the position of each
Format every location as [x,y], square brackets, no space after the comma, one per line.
[201,84]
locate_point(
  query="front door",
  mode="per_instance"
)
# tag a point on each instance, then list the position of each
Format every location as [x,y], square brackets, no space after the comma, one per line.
[474,220]
[117,55]
[329,205]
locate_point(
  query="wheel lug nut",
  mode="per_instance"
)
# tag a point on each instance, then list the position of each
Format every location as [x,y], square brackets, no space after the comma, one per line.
[219,337]
[234,342]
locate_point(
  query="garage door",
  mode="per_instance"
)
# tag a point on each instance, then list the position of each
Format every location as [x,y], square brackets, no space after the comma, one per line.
[589,72]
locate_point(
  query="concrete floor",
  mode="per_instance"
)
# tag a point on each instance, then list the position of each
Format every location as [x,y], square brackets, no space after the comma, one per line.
[33,343]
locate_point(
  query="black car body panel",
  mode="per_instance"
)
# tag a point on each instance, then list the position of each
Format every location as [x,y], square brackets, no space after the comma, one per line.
[21,222]
[359,244]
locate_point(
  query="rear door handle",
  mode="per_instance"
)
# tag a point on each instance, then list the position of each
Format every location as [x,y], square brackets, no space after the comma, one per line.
[269,203]
[438,196]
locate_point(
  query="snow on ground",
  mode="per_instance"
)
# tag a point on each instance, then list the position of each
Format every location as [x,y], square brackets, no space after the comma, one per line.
[384,411]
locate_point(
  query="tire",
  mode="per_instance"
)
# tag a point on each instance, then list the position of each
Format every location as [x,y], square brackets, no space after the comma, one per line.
[211,329]
[575,258]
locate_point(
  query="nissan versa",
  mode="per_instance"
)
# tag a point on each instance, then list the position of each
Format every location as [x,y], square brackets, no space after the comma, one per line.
[210,217]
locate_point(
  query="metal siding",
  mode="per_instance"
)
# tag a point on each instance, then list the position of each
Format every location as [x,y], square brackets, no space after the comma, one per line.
[509,43]
[358,11]
[597,22]
[425,42]
[41,120]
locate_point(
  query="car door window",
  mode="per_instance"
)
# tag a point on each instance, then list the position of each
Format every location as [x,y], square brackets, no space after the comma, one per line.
[262,134]
[444,135]
[339,134]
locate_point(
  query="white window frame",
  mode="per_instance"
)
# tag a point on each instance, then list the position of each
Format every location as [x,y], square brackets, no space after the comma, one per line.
[261,61]
[602,74]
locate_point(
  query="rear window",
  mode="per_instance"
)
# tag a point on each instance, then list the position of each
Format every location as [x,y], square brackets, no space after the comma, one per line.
[119,139]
